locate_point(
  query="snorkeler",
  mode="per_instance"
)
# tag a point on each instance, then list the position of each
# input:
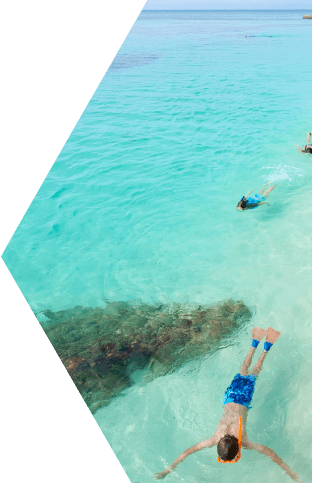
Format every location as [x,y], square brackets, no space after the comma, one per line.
[248,203]
[308,146]
[231,433]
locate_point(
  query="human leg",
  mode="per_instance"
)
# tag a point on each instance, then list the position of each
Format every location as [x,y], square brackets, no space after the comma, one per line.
[257,334]
[308,137]
[266,193]
[263,188]
[258,366]
[244,369]
[271,337]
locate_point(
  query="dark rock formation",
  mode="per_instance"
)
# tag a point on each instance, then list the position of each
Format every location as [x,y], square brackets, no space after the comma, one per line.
[100,347]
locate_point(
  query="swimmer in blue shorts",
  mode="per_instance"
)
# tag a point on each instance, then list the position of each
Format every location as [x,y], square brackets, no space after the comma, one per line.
[249,202]
[308,147]
[236,400]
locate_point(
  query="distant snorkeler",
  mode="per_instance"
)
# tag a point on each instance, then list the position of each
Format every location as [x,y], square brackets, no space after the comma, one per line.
[308,147]
[248,203]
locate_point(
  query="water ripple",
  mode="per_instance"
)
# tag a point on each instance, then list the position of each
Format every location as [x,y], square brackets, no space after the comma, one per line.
[126,61]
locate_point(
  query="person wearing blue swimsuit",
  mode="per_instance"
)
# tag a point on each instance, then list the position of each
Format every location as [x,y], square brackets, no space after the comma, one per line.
[250,202]
[308,147]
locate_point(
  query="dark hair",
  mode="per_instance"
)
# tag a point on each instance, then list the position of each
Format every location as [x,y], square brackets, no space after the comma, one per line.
[308,150]
[242,203]
[228,447]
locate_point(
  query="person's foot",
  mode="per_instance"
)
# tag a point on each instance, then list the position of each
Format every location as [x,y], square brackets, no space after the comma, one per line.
[272,335]
[257,333]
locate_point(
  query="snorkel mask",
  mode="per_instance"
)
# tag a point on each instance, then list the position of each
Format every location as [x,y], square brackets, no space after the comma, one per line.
[239,445]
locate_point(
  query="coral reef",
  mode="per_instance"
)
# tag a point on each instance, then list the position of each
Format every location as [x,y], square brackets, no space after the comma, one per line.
[101,347]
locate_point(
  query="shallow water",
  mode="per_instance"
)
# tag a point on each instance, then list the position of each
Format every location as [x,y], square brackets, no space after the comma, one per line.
[196,109]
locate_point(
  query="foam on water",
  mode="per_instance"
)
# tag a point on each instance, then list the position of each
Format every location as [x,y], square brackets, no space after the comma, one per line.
[196,109]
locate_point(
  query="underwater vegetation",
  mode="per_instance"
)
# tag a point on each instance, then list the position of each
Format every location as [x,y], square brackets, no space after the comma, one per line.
[101,347]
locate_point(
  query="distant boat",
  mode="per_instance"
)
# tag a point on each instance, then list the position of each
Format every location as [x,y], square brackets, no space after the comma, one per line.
[307,16]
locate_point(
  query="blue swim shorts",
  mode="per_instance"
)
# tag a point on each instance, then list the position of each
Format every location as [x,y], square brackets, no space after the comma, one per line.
[255,199]
[241,390]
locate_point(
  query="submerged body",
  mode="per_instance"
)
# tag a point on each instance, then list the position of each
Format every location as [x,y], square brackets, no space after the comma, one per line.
[308,147]
[237,400]
[249,202]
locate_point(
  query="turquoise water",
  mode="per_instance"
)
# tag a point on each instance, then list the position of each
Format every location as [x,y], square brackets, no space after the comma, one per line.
[197,109]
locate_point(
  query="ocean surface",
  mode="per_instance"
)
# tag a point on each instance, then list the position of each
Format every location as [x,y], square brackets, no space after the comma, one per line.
[197,108]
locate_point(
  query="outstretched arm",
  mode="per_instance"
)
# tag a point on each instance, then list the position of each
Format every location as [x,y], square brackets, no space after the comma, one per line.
[246,196]
[207,443]
[274,457]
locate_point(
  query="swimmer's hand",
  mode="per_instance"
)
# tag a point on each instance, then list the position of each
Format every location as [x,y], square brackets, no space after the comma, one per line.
[160,476]
[294,476]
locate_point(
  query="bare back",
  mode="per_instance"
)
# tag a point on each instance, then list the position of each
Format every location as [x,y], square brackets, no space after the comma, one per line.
[229,423]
